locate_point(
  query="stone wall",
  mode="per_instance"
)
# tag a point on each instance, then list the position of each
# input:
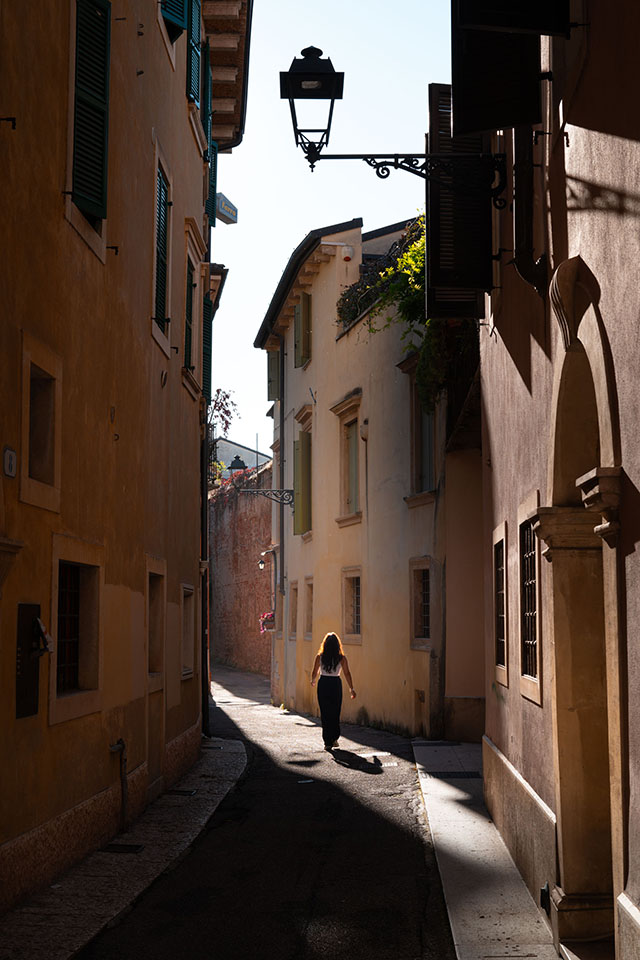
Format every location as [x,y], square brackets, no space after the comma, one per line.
[239,530]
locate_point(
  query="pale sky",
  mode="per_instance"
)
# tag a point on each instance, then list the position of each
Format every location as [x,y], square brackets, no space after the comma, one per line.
[389,53]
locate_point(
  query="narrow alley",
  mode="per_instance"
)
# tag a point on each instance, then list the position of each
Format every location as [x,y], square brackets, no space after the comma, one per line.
[311,855]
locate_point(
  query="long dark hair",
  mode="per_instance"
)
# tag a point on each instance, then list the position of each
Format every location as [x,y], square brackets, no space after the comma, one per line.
[331,652]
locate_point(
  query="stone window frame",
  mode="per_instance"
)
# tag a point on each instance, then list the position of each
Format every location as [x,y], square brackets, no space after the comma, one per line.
[501,671]
[530,687]
[32,491]
[416,497]
[194,253]
[348,412]
[187,650]
[292,612]
[346,574]
[163,339]
[420,643]
[80,703]
[156,567]
[308,608]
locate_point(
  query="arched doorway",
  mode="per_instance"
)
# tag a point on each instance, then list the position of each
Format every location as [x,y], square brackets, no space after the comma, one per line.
[578,529]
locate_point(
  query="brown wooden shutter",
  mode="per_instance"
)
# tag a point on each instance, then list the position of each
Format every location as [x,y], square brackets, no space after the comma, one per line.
[495,78]
[459,265]
[544,17]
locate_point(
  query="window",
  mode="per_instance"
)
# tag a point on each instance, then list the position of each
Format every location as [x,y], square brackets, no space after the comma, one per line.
[91,111]
[293,611]
[352,605]
[41,425]
[174,14]
[420,600]
[77,664]
[155,623]
[207,335]
[212,200]
[528,601]
[193,51]
[499,605]
[302,483]
[302,330]
[162,250]
[347,410]
[308,609]
[273,375]
[188,317]
[188,630]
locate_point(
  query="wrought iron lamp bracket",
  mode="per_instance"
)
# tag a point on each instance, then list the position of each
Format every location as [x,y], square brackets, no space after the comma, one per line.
[280,496]
[446,170]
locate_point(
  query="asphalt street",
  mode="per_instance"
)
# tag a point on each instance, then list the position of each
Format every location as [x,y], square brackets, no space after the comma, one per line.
[311,855]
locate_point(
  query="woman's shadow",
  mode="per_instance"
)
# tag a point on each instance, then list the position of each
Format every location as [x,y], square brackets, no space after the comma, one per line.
[348,759]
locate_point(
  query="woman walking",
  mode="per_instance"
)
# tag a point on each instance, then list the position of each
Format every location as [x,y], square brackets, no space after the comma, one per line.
[329,662]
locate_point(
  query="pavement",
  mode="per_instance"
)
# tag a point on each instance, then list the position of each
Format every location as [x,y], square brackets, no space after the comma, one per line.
[490,911]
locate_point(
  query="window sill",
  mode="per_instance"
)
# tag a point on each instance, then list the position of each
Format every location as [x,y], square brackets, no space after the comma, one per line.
[531,689]
[95,241]
[308,637]
[44,495]
[420,499]
[196,128]
[502,677]
[169,46]
[307,536]
[162,339]
[349,518]
[190,383]
[354,638]
[187,673]
[71,706]
[292,638]
[420,644]
[155,682]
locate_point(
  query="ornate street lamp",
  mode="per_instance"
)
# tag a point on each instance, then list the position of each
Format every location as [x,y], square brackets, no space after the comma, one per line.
[280,496]
[313,78]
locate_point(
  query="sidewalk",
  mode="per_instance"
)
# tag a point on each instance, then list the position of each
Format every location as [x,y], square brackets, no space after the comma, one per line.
[491,913]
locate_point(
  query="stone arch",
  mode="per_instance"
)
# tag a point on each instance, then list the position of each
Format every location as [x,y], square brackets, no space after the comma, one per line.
[579,529]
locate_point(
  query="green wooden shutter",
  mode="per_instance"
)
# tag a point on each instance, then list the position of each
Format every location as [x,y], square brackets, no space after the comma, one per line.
[305,327]
[297,496]
[207,318]
[210,206]
[162,229]
[206,112]
[352,467]
[174,13]
[297,335]
[193,52]
[273,375]
[188,318]
[91,116]
[305,479]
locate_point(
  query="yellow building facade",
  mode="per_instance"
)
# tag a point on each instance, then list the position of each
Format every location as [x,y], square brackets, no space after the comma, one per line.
[105,374]
[385,519]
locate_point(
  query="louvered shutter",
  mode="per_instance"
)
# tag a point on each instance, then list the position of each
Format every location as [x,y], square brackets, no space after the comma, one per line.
[210,206]
[495,79]
[91,117]
[459,263]
[297,335]
[544,17]
[273,375]
[188,318]
[207,336]
[174,13]
[305,479]
[352,468]
[305,327]
[297,501]
[162,226]
[206,113]
[193,52]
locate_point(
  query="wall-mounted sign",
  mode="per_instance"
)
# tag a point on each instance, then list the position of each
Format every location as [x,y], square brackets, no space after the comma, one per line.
[225,210]
[9,462]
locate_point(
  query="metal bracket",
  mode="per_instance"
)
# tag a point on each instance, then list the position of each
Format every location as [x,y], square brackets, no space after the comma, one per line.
[280,496]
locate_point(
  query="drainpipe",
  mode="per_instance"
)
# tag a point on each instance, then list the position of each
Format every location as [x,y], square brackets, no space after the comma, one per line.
[204,578]
[532,271]
[120,747]
[281,471]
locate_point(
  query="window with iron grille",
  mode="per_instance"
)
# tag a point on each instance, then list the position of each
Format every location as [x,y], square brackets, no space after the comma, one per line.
[528,601]
[499,604]
[352,604]
[68,628]
[162,247]
[420,600]
[425,604]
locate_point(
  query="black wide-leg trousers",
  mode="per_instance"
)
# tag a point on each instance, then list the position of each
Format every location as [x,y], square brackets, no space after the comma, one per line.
[330,702]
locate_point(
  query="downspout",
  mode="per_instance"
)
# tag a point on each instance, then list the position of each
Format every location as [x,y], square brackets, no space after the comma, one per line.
[204,578]
[120,747]
[281,466]
[534,272]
